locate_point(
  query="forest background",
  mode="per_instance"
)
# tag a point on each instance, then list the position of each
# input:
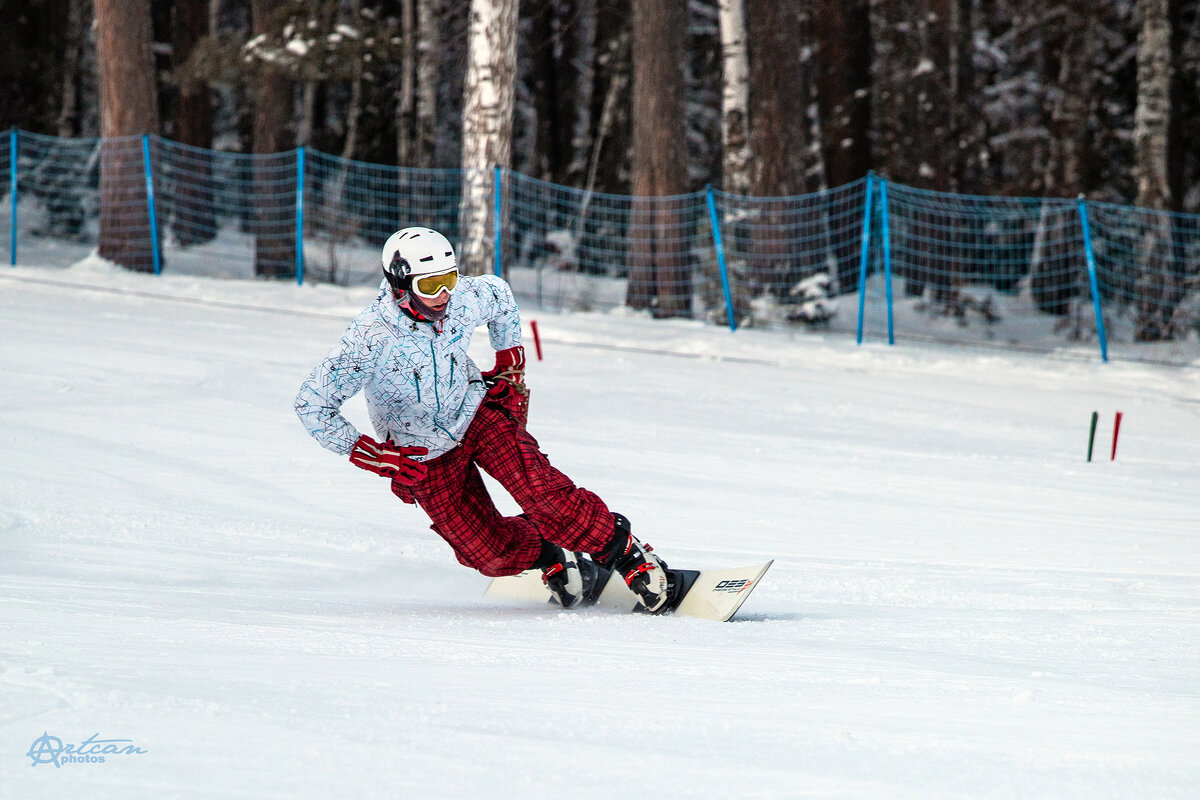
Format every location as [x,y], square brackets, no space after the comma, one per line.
[648,98]
[1008,97]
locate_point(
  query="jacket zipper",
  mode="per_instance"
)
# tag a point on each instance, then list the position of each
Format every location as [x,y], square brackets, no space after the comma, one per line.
[417,381]
[437,400]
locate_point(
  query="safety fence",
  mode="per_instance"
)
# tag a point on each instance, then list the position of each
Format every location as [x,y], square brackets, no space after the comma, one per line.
[874,259]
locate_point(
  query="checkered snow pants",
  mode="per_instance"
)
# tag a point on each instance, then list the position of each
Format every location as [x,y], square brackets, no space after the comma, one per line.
[455,498]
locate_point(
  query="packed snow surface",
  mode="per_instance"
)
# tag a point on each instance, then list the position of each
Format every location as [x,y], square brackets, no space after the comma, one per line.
[960,605]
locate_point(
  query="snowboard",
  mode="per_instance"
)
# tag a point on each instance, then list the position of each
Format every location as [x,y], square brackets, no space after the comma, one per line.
[714,594]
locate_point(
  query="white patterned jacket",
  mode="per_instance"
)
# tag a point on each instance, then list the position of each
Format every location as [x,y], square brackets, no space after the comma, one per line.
[420,385]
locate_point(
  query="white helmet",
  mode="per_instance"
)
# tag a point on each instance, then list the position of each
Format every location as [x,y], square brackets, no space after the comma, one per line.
[411,253]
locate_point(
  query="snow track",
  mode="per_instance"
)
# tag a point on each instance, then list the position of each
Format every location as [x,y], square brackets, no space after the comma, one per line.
[959,607]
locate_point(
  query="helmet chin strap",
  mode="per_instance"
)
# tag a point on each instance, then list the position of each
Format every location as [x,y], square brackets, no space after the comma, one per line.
[413,306]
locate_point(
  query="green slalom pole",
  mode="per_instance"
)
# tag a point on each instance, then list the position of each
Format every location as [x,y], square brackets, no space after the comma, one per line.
[1092,434]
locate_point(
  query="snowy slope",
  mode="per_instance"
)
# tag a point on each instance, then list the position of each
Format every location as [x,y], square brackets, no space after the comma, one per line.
[960,606]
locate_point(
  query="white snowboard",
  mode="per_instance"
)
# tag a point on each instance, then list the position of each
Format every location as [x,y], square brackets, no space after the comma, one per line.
[714,594]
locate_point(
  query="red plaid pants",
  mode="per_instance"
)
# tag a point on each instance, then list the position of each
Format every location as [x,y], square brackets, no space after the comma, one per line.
[457,501]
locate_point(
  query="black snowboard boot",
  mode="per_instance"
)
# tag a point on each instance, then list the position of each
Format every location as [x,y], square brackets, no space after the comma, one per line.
[644,573]
[572,578]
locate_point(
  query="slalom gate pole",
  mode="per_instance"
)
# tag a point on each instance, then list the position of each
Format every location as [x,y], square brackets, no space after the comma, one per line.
[1092,434]
[864,255]
[719,246]
[12,196]
[1116,433]
[496,218]
[1090,257]
[537,341]
[887,257]
[300,216]
[150,204]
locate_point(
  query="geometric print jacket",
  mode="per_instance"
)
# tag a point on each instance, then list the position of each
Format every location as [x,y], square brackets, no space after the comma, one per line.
[420,385]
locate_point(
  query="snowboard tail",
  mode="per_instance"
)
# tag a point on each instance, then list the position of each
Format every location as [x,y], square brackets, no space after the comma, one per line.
[714,594]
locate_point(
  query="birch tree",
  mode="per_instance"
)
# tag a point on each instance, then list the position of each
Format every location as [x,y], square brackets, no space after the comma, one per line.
[735,98]
[1160,284]
[487,123]
[1153,114]
[128,107]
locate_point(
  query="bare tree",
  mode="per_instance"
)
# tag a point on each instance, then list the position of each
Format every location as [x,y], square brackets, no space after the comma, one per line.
[735,98]
[128,107]
[1160,283]
[274,241]
[779,133]
[487,123]
[611,126]
[841,31]
[842,77]
[68,117]
[779,95]
[429,53]
[1153,114]
[194,220]
[407,137]
[561,40]
[659,276]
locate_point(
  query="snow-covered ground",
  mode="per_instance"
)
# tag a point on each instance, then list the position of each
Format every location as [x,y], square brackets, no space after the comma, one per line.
[960,605]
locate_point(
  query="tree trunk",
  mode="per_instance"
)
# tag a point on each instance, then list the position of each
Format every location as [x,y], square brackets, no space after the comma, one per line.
[489,95]
[660,276]
[274,234]
[1160,286]
[128,107]
[610,125]
[779,143]
[194,220]
[841,29]
[428,57]
[68,115]
[563,44]
[1153,115]
[407,140]
[735,98]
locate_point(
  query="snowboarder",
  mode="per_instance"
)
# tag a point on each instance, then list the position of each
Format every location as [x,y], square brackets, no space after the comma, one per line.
[439,420]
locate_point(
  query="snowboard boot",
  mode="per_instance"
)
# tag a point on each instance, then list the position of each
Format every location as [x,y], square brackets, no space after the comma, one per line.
[572,579]
[643,572]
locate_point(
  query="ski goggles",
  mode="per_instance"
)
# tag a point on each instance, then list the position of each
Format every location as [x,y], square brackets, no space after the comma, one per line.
[430,286]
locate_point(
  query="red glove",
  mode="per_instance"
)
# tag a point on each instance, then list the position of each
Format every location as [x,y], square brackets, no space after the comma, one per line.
[384,458]
[506,383]
[510,366]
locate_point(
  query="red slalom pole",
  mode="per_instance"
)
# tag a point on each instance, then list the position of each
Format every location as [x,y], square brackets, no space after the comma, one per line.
[537,342]
[1116,433]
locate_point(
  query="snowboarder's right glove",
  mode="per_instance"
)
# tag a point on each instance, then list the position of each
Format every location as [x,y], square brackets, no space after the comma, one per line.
[510,367]
[384,458]
[506,383]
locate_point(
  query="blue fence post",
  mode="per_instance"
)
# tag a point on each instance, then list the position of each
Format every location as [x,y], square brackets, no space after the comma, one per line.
[864,257]
[886,225]
[719,246]
[496,221]
[300,216]
[150,204]
[1090,256]
[12,195]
